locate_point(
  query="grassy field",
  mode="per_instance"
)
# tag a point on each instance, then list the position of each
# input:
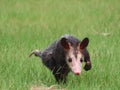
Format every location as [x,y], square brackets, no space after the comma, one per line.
[26,25]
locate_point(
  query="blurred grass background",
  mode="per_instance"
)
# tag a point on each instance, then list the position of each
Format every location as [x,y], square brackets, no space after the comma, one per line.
[26,25]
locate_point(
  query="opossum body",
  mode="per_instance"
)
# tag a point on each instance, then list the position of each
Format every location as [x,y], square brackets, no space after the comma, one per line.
[65,55]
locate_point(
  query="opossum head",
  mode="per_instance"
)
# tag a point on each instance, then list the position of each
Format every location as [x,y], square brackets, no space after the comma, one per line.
[73,54]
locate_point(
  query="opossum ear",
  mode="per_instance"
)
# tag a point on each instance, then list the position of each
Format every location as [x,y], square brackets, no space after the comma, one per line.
[64,43]
[84,43]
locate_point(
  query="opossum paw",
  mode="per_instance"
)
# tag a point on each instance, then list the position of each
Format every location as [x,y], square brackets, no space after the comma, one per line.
[87,67]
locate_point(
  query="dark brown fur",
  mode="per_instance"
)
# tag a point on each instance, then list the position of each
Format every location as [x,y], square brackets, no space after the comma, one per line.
[54,58]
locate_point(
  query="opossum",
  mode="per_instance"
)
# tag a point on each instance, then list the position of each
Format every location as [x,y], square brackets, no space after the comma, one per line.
[64,55]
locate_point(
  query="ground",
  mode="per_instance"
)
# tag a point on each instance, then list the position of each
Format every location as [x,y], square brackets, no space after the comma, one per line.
[26,25]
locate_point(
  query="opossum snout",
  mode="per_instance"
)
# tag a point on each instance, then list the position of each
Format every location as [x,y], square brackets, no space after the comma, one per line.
[76,70]
[75,65]
[77,73]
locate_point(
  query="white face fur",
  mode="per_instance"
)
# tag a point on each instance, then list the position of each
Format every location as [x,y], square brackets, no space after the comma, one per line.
[74,59]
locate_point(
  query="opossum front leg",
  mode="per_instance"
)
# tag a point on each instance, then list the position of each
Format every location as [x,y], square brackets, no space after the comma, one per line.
[88,65]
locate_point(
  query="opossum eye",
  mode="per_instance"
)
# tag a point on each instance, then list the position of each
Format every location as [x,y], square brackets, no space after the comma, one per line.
[70,60]
[81,60]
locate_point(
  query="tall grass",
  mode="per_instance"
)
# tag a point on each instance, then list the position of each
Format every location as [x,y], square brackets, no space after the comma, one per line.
[33,24]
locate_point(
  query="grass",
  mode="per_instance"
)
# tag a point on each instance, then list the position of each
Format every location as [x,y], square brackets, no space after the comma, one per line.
[26,25]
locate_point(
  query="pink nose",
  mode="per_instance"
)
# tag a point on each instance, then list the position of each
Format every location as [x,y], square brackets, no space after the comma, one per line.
[77,73]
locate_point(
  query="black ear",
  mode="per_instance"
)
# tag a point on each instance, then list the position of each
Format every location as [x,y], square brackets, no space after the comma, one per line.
[84,43]
[64,43]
